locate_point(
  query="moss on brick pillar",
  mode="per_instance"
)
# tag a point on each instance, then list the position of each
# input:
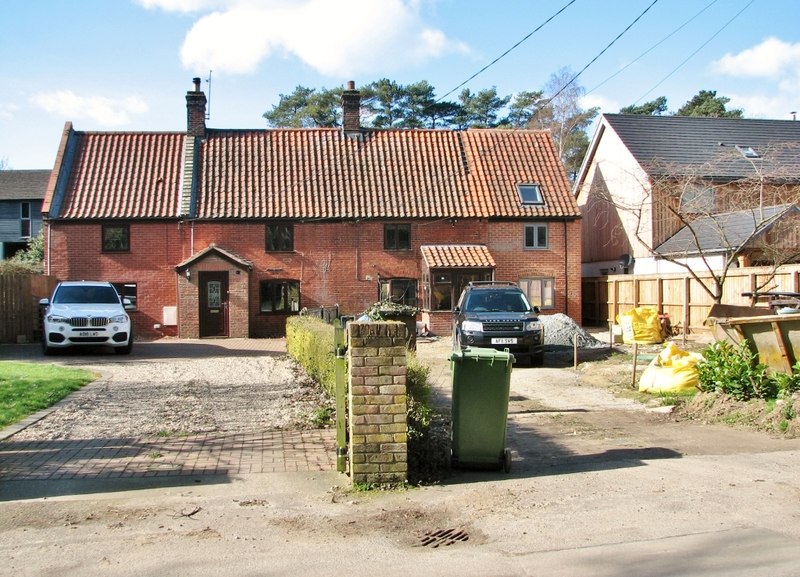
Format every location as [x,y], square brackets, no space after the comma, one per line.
[377,402]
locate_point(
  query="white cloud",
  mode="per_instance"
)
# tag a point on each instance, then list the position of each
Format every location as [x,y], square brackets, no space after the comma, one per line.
[777,106]
[8,110]
[769,59]
[179,5]
[601,102]
[772,73]
[341,38]
[104,111]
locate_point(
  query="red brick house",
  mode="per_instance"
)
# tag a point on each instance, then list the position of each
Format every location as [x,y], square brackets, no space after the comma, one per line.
[227,232]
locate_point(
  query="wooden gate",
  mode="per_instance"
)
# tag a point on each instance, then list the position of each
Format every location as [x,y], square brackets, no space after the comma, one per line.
[20,315]
[340,348]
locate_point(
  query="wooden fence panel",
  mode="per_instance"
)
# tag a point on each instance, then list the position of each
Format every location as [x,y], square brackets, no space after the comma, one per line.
[648,292]
[20,321]
[678,295]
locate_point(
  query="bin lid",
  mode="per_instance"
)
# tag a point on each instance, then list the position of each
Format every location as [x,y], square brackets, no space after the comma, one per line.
[482,354]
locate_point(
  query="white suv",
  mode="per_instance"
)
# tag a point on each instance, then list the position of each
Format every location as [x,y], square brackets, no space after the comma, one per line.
[86,313]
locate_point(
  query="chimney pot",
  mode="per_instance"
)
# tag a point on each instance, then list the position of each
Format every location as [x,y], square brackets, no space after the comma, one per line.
[351,109]
[196,111]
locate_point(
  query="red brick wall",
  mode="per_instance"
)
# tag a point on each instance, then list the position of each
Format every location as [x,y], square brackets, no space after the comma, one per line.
[155,249]
[561,260]
[335,263]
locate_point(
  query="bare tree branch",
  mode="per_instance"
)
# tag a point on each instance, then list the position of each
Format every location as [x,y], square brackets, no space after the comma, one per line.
[738,208]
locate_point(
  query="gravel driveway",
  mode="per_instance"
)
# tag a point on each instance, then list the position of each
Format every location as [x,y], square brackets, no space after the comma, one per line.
[173,387]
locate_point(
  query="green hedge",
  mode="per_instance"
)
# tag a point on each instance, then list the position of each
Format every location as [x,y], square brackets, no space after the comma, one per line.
[309,341]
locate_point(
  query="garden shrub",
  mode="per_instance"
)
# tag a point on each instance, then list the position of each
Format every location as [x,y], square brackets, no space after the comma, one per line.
[428,438]
[788,383]
[735,371]
[419,392]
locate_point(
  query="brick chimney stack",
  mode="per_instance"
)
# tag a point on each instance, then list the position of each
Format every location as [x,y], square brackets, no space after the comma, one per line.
[196,111]
[351,109]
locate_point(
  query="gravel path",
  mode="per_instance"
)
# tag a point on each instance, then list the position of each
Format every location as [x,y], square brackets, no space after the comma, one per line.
[221,393]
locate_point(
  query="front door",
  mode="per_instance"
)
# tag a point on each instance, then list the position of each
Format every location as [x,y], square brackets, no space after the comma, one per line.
[214,304]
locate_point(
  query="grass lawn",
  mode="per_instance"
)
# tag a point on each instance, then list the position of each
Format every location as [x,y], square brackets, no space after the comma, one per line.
[29,387]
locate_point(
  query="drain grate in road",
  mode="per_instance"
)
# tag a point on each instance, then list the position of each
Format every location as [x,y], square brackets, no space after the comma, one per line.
[446,537]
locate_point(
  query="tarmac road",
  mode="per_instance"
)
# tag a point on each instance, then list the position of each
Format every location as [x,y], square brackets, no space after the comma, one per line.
[598,488]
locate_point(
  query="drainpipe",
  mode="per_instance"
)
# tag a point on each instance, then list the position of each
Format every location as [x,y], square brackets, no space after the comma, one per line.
[358,250]
[566,271]
[49,246]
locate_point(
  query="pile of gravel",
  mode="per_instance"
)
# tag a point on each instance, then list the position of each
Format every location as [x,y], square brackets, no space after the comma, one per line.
[559,329]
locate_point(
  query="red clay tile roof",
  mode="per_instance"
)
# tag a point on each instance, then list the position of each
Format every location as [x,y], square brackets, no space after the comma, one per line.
[316,173]
[124,175]
[457,256]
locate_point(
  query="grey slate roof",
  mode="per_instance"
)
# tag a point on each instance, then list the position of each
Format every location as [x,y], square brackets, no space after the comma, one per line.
[693,143]
[23,184]
[723,232]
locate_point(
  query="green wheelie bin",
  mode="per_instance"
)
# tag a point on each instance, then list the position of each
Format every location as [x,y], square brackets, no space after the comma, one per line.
[481,384]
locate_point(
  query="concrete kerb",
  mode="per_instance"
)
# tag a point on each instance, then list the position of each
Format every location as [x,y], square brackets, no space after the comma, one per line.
[19,426]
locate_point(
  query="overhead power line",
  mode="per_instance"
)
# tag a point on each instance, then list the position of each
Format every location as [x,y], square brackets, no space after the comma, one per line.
[703,45]
[654,46]
[592,61]
[504,54]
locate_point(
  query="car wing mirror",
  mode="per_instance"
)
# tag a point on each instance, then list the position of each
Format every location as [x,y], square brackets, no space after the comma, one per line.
[127,304]
[536,309]
[44,302]
[456,310]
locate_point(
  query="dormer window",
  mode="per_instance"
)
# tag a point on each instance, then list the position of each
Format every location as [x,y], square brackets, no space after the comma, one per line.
[530,193]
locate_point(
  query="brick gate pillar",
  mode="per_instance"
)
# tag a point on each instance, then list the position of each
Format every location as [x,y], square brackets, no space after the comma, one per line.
[377,402]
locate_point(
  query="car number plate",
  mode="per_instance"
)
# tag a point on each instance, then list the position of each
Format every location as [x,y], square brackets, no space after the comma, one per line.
[88,334]
[504,341]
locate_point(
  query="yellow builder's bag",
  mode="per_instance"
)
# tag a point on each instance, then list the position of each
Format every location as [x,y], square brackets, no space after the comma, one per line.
[673,370]
[640,325]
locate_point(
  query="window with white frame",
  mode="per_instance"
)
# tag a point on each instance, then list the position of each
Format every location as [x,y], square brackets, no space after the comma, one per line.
[530,193]
[540,291]
[536,235]
[444,286]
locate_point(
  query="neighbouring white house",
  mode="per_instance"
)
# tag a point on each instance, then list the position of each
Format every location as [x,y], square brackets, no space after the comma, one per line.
[656,192]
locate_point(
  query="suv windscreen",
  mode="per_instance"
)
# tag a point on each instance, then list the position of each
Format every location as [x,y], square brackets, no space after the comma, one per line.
[496,301]
[105,295]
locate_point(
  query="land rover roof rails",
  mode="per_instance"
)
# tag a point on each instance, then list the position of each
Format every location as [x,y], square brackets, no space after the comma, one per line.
[491,282]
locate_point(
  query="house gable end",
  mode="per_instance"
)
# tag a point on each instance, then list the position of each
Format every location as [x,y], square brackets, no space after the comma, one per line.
[214,250]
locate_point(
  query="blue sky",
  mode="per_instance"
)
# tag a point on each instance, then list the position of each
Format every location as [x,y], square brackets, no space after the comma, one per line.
[127,64]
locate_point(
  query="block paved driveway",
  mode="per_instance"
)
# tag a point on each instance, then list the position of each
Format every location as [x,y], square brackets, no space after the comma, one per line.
[205,454]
